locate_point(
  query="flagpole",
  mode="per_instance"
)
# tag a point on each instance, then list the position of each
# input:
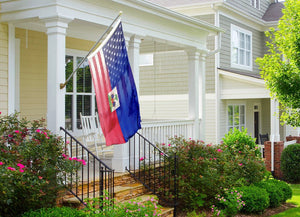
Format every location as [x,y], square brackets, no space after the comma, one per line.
[62,85]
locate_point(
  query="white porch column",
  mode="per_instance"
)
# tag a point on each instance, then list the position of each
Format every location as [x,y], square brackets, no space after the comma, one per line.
[11,70]
[275,123]
[121,152]
[275,136]
[56,31]
[134,59]
[197,92]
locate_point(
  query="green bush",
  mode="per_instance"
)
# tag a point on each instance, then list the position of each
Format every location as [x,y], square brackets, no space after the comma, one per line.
[290,160]
[256,199]
[55,212]
[32,166]
[206,170]
[284,188]
[133,208]
[274,191]
[238,141]
[229,203]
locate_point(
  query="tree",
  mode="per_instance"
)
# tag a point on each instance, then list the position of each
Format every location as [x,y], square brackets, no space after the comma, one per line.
[280,67]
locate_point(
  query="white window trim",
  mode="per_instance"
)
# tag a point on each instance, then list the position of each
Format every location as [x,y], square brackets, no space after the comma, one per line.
[235,104]
[255,5]
[146,59]
[236,65]
[75,54]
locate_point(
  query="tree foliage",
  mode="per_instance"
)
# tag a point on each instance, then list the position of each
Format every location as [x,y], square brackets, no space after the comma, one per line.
[280,67]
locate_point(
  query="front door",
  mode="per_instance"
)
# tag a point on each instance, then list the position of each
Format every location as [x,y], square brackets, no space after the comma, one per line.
[256,126]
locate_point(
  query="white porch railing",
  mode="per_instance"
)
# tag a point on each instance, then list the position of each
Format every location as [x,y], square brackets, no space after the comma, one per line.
[161,131]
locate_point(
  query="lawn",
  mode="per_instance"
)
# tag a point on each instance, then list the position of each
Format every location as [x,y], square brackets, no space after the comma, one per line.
[295,200]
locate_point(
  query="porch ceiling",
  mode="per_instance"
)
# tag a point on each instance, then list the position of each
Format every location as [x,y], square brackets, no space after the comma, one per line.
[89,18]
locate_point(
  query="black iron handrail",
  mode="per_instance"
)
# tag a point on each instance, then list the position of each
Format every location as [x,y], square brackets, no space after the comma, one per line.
[156,170]
[94,179]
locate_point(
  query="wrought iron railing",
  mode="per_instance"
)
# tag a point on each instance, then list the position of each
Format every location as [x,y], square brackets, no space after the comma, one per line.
[155,169]
[94,179]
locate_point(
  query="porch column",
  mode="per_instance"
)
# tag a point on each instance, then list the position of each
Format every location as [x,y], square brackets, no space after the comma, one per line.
[121,152]
[197,91]
[275,136]
[134,57]
[56,31]
[11,70]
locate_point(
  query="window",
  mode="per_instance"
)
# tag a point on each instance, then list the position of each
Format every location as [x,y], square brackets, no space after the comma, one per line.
[146,59]
[255,3]
[80,94]
[236,117]
[241,48]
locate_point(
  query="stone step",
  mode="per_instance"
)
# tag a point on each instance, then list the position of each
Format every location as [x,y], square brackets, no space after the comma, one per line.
[121,193]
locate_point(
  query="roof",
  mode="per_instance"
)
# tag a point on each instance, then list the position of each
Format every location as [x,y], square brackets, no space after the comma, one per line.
[172,3]
[258,76]
[274,12]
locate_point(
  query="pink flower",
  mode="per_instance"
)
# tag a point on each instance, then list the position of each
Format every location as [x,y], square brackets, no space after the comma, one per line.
[83,162]
[70,158]
[240,164]
[9,135]
[20,165]
[219,150]
[169,145]
[0,113]
[21,170]
[68,142]
[163,144]
[75,158]
[215,158]
[209,145]
[17,131]
[141,159]
[64,155]
[161,153]
[240,152]
[1,163]
[40,177]
[38,131]
[11,168]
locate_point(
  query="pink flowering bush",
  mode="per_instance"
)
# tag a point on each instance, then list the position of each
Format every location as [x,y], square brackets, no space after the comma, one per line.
[205,170]
[32,166]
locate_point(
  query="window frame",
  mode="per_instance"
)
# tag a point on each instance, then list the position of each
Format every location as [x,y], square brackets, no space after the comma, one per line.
[234,46]
[228,127]
[81,54]
[255,4]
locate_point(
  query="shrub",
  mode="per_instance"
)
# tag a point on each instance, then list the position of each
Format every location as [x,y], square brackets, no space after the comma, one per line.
[55,212]
[256,199]
[32,166]
[239,141]
[286,190]
[133,208]
[290,160]
[275,193]
[229,203]
[206,170]
[279,191]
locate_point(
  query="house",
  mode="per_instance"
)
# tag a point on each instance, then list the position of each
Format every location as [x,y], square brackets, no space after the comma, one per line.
[42,42]
[236,96]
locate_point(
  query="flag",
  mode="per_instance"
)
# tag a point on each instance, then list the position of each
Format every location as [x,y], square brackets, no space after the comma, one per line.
[116,94]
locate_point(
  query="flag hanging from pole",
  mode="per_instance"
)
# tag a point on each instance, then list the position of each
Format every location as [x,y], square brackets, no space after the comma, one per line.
[116,94]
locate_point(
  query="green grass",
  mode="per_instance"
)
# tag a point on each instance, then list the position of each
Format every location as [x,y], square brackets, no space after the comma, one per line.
[295,200]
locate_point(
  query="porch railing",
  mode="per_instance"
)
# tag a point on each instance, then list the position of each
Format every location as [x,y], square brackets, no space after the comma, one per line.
[94,179]
[155,169]
[161,131]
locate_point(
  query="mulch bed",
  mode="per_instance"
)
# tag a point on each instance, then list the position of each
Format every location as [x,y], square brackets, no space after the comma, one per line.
[268,212]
